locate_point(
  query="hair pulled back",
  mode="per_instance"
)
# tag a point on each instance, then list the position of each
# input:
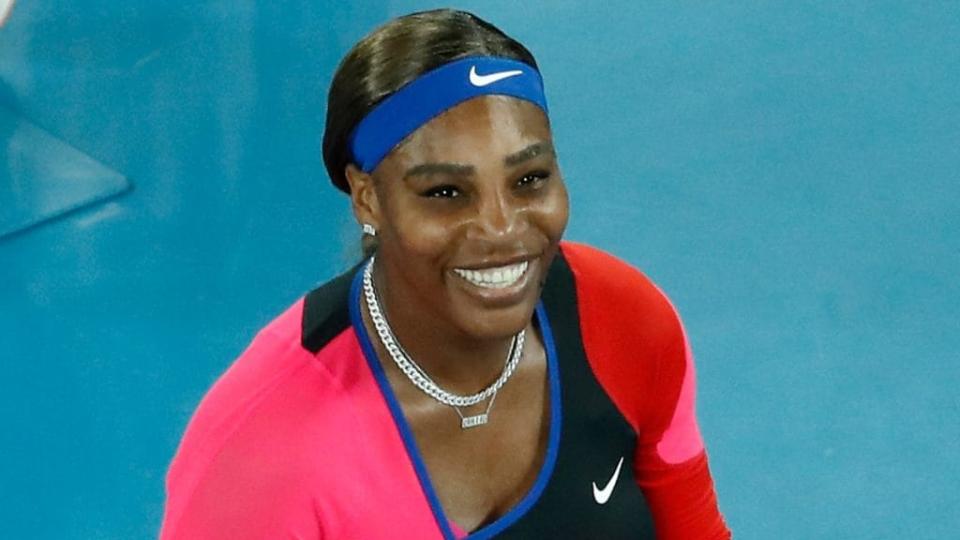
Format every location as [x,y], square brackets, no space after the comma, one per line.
[395,54]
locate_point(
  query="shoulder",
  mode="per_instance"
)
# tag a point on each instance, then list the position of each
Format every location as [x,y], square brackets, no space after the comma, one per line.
[272,358]
[272,355]
[266,396]
[631,333]
[614,296]
[300,338]
[230,410]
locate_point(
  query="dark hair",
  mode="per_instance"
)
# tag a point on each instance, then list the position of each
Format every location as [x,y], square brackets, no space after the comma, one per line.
[395,54]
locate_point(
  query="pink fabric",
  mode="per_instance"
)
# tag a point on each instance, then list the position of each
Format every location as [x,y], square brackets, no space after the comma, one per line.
[682,440]
[287,442]
[458,531]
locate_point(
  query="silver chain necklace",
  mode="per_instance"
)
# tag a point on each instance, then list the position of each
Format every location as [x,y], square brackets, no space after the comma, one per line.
[419,377]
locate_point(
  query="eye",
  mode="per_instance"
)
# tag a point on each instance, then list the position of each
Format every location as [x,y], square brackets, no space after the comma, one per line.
[442,192]
[533,179]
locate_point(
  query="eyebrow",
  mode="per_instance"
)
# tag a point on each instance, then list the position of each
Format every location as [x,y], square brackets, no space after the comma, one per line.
[454,169]
[529,152]
[459,169]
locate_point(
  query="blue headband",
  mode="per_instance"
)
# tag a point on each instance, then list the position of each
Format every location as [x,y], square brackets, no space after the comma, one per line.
[424,98]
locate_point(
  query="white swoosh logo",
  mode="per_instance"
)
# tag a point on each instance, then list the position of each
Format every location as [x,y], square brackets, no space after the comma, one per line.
[484,80]
[603,495]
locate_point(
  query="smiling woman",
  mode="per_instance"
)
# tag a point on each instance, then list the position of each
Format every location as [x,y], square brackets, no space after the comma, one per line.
[474,376]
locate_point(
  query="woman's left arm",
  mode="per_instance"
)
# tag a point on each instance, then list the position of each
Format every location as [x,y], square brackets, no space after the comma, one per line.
[670,464]
[637,348]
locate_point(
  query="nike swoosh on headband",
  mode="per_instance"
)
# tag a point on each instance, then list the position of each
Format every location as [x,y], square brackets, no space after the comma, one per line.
[603,495]
[484,80]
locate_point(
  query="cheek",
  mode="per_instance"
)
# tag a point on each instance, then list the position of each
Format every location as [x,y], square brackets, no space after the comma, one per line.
[553,211]
[423,235]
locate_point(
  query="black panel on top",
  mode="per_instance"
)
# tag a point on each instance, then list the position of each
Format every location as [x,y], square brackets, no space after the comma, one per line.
[325,311]
[594,437]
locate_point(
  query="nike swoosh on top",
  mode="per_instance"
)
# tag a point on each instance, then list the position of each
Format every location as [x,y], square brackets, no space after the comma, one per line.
[483,80]
[603,495]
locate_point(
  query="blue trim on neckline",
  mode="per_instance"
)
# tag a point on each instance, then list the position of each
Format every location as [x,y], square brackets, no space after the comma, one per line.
[398,419]
[409,442]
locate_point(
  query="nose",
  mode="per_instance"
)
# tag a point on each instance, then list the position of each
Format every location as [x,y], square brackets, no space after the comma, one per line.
[499,215]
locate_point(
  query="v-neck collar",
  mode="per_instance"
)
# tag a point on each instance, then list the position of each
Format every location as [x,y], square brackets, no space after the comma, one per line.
[409,442]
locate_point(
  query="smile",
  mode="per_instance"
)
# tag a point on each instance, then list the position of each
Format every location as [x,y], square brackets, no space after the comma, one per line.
[499,277]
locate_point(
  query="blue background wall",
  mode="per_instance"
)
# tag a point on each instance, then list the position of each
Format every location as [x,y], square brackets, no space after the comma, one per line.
[787,172]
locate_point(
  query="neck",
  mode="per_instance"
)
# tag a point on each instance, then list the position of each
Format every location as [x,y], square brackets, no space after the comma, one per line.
[458,362]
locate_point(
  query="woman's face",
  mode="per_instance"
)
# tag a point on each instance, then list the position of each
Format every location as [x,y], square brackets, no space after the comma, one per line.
[469,212]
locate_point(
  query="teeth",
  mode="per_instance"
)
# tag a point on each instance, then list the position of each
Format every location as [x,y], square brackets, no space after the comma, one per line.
[494,278]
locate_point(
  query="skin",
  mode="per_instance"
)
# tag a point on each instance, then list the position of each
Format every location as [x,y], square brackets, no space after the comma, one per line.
[476,187]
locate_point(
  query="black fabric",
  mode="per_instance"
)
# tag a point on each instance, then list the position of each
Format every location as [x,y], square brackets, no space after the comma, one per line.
[594,436]
[325,312]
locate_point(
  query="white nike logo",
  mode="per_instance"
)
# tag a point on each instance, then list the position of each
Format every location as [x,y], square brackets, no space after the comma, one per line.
[484,80]
[603,495]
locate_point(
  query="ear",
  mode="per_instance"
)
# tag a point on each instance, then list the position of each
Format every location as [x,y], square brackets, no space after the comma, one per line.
[363,196]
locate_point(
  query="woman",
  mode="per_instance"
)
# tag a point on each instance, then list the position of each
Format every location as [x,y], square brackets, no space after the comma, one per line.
[474,375]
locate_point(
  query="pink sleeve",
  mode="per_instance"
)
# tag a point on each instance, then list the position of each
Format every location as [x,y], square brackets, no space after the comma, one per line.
[672,469]
[232,501]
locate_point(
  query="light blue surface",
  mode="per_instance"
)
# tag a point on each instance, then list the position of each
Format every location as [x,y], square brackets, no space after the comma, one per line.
[788,172]
[43,178]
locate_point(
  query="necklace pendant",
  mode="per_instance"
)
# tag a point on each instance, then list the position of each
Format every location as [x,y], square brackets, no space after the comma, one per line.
[468,422]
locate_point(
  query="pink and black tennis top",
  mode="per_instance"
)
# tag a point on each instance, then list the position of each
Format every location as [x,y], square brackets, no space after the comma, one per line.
[303,438]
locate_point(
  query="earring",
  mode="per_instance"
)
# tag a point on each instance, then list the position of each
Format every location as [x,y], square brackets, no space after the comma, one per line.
[368,229]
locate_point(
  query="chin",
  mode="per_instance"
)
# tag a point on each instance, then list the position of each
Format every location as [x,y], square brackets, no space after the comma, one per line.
[496,323]
[495,317]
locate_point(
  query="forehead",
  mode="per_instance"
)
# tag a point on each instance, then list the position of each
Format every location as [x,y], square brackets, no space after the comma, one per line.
[485,126]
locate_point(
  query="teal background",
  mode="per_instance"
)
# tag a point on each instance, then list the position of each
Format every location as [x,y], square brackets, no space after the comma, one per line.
[786,171]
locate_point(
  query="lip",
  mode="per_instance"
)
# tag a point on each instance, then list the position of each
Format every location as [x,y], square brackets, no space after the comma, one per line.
[499,297]
[491,263]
